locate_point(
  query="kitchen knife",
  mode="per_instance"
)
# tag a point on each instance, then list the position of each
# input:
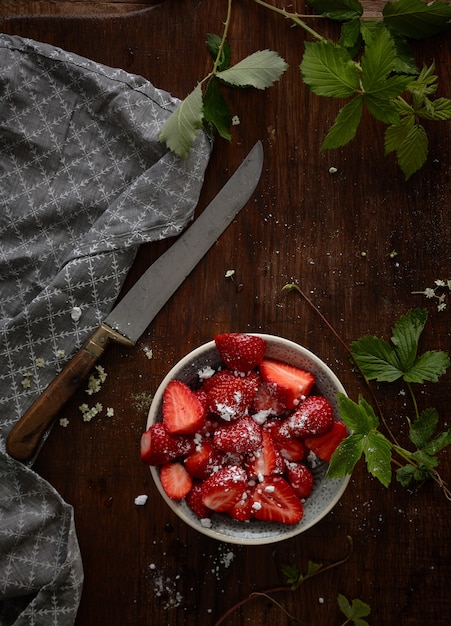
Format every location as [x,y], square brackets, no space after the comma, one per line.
[134,312]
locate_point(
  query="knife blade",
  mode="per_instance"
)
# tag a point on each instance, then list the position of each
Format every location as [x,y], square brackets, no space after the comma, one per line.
[134,312]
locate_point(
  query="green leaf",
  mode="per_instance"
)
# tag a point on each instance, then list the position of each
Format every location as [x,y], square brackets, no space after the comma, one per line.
[340,10]
[429,366]
[260,70]
[346,455]
[378,58]
[350,37]
[376,358]
[412,153]
[329,70]
[415,18]
[183,125]
[438,443]
[405,336]
[377,450]
[216,109]
[345,125]
[354,611]
[383,109]
[291,573]
[358,417]
[423,427]
[405,474]
[213,46]
[397,133]
[441,110]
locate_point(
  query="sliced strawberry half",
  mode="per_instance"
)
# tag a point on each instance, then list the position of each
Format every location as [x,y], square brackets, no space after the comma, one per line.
[175,480]
[300,478]
[241,351]
[194,501]
[223,489]
[325,445]
[314,416]
[242,510]
[293,384]
[159,447]
[242,436]
[266,459]
[266,400]
[183,412]
[274,500]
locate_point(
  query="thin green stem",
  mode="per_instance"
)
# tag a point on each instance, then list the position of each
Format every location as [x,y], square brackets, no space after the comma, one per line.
[224,38]
[294,17]
[414,400]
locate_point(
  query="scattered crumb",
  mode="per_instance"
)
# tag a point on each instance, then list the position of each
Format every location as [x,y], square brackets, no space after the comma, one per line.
[141,500]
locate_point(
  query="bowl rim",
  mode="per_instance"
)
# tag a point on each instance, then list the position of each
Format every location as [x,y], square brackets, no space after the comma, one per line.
[175,507]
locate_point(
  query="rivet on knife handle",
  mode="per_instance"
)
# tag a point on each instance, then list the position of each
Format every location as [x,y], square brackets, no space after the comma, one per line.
[24,438]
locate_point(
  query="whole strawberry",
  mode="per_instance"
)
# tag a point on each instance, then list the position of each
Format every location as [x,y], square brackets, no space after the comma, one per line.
[315,416]
[240,351]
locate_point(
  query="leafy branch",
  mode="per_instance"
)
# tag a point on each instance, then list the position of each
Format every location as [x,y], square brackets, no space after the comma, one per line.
[389,361]
[206,107]
[295,578]
[373,67]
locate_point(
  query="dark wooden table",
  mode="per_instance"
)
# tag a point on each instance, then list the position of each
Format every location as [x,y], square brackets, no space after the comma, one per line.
[333,235]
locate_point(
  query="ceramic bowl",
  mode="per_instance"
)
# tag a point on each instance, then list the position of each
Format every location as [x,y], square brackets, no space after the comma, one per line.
[326,492]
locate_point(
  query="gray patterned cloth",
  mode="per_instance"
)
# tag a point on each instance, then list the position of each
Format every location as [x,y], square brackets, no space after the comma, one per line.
[83,182]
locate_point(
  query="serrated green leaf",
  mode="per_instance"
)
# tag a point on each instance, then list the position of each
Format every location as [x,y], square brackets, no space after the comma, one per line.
[378,57]
[291,573]
[345,457]
[382,109]
[405,336]
[216,109]
[412,153]
[429,366]
[328,70]
[441,110]
[417,19]
[426,462]
[376,358]
[354,611]
[422,429]
[359,417]
[213,46]
[405,474]
[260,70]
[345,125]
[340,10]
[350,37]
[395,134]
[377,451]
[438,443]
[183,125]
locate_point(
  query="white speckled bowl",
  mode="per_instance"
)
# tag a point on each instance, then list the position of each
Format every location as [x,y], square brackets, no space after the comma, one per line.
[326,492]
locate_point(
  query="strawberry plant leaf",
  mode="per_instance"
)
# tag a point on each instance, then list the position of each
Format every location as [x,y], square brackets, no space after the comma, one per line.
[345,126]
[397,133]
[183,125]
[377,451]
[440,110]
[413,151]
[216,109]
[345,457]
[260,70]
[340,10]
[379,56]
[350,36]
[423,427]
[376,358]
[415,18]
[406,333]
[354,611]
[214,46]
[329,70]
[358,417]
[438,443]
[429,366]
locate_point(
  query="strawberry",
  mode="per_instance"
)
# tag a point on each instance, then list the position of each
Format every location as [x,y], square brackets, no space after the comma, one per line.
[325,445]
[274,500]
[293,384]
[217,378]
[224,488]
[242,436]
[292,449]
[183,412]
[159,447]
[300,478]
[229,399]
[315,416]
[266,401]
[175,480]
[266,460]
[205,460]
[242,510]
[194,501]
[240,351]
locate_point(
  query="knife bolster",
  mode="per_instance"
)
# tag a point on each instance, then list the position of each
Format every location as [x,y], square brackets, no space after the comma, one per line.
[100,338]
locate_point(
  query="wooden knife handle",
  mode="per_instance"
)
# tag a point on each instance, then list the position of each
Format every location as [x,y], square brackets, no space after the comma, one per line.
[23,439]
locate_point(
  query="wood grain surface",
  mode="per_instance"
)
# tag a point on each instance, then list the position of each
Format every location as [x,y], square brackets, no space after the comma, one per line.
[333,235]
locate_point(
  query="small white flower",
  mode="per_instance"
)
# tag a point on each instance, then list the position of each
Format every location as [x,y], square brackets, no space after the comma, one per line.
[440,283]
[64,422]
[40,362]
[235,120]
[441,306]
[230,274]
[60,354]
[110,411]
[429,292]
